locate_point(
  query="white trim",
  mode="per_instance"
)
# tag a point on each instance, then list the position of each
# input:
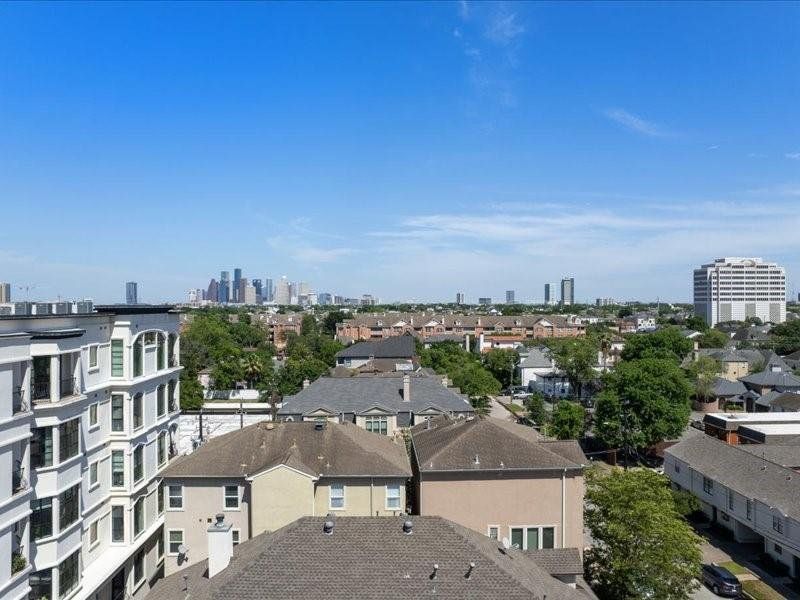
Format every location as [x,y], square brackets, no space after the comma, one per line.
[167,506]
[330,496]
[96,465]
[386,497]
[489,531]
[541,534]
[238,506]
[183,540]
[96,524]
[96,424]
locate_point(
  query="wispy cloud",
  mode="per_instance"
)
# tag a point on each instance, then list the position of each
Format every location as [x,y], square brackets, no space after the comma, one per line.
[313,254]
[635,123]
[793,155]
[503,27]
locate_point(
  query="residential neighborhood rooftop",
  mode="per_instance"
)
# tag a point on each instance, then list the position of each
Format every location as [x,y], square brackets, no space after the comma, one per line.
[401,346]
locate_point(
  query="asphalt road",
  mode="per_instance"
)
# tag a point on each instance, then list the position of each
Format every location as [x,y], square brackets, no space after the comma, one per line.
[703,593]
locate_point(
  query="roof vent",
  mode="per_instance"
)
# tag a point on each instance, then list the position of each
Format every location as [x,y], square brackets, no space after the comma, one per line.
[469,571]
[763,467]
[502,465]
[476,460]
[408,527]
[320,425]
[435,570]
[270,426]
[327,527]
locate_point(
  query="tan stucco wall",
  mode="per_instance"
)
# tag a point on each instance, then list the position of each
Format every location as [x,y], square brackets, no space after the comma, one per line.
[202,500]
[732,371]
[360,499]
[506,502]
[280,496]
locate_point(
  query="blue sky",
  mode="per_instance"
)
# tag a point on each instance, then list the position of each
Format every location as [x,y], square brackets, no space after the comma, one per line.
[408,150]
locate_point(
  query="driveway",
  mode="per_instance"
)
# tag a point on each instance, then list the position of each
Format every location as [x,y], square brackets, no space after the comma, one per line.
[497,411]
[703,593]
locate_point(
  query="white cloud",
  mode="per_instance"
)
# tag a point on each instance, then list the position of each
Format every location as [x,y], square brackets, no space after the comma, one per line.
[793,155]
[635,123]
[463,9]
[503,27]
[313,254]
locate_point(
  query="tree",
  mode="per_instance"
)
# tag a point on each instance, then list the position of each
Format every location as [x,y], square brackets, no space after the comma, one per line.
[501,363]
[191,393]
[625,311]
[665,343]
[576,358]
[568,421]
[331,320]
[308,325]
[643,547]
[294,372]
[703,372]
[786,337]
[713,338]
[696,323]
[536,409]
[644,402]
[475,381]
[252,368]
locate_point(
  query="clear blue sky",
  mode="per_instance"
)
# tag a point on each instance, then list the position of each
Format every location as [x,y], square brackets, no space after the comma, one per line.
[409,150]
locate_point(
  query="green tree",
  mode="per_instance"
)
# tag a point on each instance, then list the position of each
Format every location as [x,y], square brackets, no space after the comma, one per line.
[191,393]
[696,323]
[786,337]
[568,421]
[331,320]
[576,358]
[294,372]
[475,381]
[665,343]
[703,372]
[643,547]
[308,325]
[252,368]
[644,402]
[501,363]
[536,410]
[713,338]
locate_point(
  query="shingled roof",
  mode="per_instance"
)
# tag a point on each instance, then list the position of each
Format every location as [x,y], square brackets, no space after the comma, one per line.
[558,561]
[400,346]
[447,444]
[355,395]
[332,450]
[366,558]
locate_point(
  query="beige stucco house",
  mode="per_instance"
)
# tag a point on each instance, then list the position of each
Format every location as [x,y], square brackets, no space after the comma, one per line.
[267,475]
[501,479]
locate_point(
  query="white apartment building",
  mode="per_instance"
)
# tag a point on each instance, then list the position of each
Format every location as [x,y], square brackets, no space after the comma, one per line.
[88,414]
[733,289]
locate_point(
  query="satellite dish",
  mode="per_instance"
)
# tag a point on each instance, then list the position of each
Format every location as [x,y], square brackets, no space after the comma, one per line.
[183,550]
[506,543]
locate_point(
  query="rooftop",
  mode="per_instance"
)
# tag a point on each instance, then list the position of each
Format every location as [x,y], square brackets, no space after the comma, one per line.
[401,346]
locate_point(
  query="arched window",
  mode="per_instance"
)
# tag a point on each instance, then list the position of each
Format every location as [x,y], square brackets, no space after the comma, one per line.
[138,356]
[173,360]
[138,411]
[173,402]
[161,400]
[162,351]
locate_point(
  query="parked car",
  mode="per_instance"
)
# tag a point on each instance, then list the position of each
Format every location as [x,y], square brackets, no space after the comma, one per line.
[721,581]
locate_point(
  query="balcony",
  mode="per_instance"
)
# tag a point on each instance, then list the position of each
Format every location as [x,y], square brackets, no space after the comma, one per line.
[19,405]
[18,481]
[18,561]
[69,387]
[40,390]
[173,362]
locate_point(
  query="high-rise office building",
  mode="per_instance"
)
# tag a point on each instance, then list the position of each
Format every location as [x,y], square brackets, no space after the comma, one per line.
[248,294]
[509,296]
[568,291]
[241,290]
[459,297]
[259,290]
[484,301]
[282,291]
[131,293]
[735,288]
[549,293]
[324,298]
[94,427]
[237,286]
[212,293]
[5,292]
[269,290]
[224,287]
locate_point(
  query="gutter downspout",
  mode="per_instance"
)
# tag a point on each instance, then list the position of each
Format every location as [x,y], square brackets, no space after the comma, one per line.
[563,508]
[371,481]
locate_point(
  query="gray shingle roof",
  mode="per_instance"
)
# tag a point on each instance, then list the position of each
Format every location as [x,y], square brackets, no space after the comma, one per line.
[538,358]
[769,378]
[338,450]
[725,387]
[368,558]
[359,394]
[787,455]
[742,471]
[401,346]
[788,401]
[558,561]
[446,444]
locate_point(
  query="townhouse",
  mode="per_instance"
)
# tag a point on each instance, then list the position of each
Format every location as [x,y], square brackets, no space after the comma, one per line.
[501,479]
[425,325]
[380,404]
[385,355]
[267,475]
[88,410]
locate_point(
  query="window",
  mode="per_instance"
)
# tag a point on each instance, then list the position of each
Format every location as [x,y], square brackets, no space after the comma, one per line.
[138,351]
[548,537]
[68,439]
[93,534]
[231,496]
[117,523]
[730,499]
[778,549]
[676,467]
[708,485]
[138,517]
[336,492]
[173,406]
[532,538]
[161,401]
[117,468]
[494,532]
[162,448]
[393,496]
[137,411]
[92,357]
[69,574]
[235,534]
[161,353]
[175,496]
[377,425]
[117,362]
[150,338]
[93,415]
[161,545]
[749,508]
[41,518]
[93,474]
[41,584]
[117,412]
[160,500]
[68,507]
[175,540]
[138,567]
[517,537]
[777,524]
[138,464]
[42,447]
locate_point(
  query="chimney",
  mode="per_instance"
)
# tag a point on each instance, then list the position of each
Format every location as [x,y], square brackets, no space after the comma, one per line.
[406,388]
[220,546]
[306,383]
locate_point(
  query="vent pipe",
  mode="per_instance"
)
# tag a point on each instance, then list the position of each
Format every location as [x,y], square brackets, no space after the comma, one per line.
[406,388]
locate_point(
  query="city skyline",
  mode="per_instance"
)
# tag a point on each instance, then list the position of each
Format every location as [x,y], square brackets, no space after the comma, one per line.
[453,138]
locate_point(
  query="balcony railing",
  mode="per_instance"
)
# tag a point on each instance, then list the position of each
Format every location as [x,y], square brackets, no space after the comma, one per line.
[18,401]
[40,390]
[69,387]
[173,362]
[18,481]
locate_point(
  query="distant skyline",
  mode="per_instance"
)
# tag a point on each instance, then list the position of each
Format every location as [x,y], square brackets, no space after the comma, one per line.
[410,151]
